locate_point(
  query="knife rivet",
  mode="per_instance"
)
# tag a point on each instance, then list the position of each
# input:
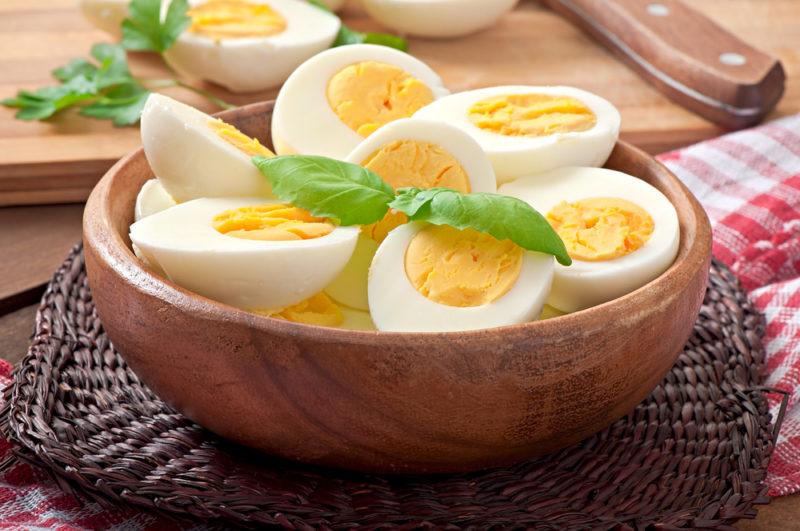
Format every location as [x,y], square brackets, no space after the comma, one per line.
[658,10]
[732,59]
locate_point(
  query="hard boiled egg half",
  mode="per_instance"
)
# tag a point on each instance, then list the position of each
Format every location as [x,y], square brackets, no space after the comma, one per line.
[527,130]
[246,252]
[195,155]
[620,231]
[429,278]
[410,152]
[438,18]
[106,15]
[336,99]
[250,45]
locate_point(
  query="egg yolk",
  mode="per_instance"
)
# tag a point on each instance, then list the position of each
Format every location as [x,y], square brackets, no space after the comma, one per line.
[412,163]
[235,19]
[461,267]
[242,142]
[368,95]
[601,228]
[318,310]
[532,115]
[273,222]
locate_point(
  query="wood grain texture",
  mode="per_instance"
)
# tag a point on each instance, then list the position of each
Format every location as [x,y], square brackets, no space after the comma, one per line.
[383,401]
[684,54]
[34,241]
[531,45]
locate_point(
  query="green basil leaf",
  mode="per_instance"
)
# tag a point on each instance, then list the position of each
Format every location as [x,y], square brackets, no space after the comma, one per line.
[47,101]
[144,30]
[113,65]
[504,217]
[328,188]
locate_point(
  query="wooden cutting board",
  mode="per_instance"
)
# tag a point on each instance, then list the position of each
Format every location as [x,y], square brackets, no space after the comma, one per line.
[60,161]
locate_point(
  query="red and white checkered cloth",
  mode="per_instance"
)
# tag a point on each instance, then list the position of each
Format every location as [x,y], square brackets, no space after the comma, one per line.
[749,183]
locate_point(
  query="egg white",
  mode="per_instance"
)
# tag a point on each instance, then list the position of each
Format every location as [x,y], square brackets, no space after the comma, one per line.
[303,120]
[256,63]
[350,287]
[515,157]
[248,274]
[106,15]
[438,18]
[190,159]
[586,284]
[152,199]
[397,306]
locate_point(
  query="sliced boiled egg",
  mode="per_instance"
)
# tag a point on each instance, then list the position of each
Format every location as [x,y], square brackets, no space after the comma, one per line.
[343,95]
[438,18]
[106,15]
[428,278]
[250,45]
[410,152]
[195,155]
[246,252]
[620,232]
[528,130]
[152,199]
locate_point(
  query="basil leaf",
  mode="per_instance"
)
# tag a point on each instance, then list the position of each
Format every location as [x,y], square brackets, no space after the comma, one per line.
[386,39]
[328,188]
[504,217]
[144,30]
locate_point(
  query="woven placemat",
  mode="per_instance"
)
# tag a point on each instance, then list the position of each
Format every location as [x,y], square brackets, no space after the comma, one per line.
[693,455]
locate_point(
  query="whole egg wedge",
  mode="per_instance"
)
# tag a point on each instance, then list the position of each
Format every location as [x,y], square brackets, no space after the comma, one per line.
[438,18]
[247,252]
[620,232]
[429,278]
[250,45]
[527,129]
[341,96]
[195,155]
[410,152]
[106,15]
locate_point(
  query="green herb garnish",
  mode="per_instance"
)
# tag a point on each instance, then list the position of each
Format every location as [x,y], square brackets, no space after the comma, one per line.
[328,188]
[144,30]
[349,36]
[105,89]
[353,195]
[502,216]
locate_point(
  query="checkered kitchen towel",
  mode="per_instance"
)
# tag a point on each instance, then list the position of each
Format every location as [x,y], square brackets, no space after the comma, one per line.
[749,183]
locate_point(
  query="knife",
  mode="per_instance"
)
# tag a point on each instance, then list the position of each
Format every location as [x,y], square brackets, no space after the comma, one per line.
[685,55]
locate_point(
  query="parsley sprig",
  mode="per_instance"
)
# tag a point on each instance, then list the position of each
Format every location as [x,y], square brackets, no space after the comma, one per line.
[354,195]
[105,88]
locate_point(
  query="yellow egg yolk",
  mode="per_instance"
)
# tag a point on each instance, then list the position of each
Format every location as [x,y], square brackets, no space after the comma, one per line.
[532,115]
[461,267]
[235,19]
[412,163]
[272,222]
[318,310]
[601,228]
[242,142]
[368,95]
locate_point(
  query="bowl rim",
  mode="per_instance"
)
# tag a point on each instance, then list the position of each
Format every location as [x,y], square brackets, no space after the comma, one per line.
[117,253]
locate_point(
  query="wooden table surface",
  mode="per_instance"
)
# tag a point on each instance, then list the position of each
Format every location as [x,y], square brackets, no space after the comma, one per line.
[34,240]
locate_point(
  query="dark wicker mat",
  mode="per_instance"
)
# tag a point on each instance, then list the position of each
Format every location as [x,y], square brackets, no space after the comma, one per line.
[692,455]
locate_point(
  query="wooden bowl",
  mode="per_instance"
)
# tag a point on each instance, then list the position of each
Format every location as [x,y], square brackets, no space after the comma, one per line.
[390,402]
